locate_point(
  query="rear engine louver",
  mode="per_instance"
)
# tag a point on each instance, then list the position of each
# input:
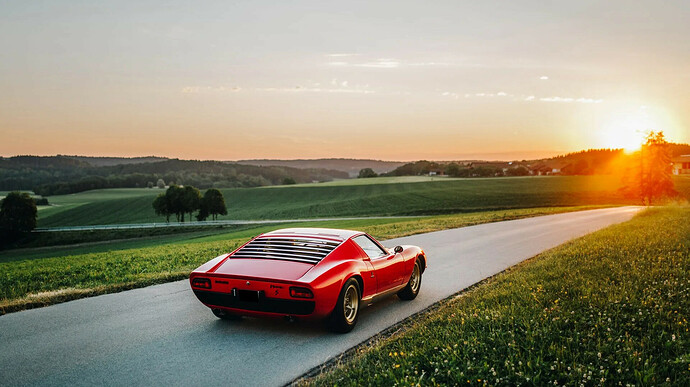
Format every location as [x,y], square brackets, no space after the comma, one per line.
[307,250]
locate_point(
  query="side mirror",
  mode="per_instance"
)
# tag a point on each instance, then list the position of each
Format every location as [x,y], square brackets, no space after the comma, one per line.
[398,249]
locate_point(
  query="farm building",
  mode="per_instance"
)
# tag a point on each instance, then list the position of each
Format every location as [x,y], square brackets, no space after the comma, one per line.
[681,165]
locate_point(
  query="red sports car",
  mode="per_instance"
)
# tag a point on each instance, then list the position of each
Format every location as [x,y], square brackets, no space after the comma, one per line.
[308,273]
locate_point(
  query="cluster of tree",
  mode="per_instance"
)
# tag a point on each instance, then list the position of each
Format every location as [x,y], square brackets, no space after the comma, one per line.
[422,167]
[133,180]
[590,161]
[63,175]
[454,169]
[678,149]
[181,200]
[104,161]
[648,174]
[351,166]
[488,170]
[17,217]
[366,172]
[26,172]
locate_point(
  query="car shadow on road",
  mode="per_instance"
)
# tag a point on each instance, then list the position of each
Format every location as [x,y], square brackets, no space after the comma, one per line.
[373,314]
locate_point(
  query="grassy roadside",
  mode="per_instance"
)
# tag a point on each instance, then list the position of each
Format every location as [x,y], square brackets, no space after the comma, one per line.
[65,238]
[611,308]
[36,278]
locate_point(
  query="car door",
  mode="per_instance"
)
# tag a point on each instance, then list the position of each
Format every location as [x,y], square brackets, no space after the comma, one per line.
[387,266]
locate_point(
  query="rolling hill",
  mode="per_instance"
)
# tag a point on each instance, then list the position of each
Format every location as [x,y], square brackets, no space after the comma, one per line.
[351,166]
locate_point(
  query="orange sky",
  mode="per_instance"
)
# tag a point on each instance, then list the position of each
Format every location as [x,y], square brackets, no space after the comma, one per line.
[396,81]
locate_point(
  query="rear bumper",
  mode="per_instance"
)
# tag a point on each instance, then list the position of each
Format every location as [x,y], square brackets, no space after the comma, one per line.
[264,306]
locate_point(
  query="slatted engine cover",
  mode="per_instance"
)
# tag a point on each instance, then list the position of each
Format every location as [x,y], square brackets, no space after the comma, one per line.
[298,249]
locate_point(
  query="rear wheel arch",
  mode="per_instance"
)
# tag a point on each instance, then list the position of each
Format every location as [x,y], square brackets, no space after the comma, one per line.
[360,283]
[344,316]
[422,258]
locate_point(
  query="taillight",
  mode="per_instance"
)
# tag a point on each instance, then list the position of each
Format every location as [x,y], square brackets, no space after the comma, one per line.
[202,283]
[299,292]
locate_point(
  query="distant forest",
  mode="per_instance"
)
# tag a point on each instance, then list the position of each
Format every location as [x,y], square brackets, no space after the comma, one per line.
[58,175]
[586,162]
[351,166]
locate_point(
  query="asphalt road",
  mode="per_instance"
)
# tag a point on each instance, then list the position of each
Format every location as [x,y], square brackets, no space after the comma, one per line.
[161,335]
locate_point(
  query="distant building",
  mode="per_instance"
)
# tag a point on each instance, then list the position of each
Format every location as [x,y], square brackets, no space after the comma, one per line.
[559,168]
[549,167]
[539,169]
[681,165]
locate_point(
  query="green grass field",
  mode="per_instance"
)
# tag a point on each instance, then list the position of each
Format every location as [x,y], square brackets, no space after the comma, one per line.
[376,180]
[611,308]
[109,204]
[349,198]
[36,277]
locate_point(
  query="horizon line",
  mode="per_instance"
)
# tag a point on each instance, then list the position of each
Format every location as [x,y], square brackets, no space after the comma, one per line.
[488,156]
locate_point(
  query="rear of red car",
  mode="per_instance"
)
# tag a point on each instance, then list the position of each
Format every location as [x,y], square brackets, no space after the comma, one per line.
[262,278]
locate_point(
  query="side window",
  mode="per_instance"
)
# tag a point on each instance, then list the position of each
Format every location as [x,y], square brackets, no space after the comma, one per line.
[372,249]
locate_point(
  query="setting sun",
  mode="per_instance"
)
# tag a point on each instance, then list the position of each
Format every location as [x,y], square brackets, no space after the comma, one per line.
[627,129]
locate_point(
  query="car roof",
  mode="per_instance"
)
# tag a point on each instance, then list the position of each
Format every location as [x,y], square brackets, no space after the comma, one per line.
[316,232]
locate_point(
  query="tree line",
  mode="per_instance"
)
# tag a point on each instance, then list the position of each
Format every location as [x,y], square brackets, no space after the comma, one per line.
[56,175]
[182,200]
[454,169]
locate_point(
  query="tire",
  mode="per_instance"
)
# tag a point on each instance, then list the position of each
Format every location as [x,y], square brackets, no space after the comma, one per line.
[223,315]
[344,317]
[410,291]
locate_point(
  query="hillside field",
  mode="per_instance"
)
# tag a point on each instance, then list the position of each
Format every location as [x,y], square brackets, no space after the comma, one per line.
[357,197]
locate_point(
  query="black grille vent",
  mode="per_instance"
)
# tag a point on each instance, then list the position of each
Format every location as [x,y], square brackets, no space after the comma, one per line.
[307,250]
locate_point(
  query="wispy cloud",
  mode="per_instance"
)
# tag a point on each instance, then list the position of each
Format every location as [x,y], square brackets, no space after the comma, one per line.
[522,97]
[336,86]
[381,63]
[210,89]
[300,89]
[430,64]
[489,95]
[571,100]
[358,60]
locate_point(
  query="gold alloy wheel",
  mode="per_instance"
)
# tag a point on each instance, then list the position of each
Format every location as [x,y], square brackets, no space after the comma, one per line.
[414,279]
[351,303]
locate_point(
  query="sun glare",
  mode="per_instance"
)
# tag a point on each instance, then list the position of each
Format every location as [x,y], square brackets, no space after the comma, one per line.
[628,129]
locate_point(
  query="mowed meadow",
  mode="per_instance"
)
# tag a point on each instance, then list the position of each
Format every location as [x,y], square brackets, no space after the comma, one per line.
[358,197]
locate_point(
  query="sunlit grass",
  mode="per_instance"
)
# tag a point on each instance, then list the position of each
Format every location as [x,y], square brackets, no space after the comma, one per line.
[611,308]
